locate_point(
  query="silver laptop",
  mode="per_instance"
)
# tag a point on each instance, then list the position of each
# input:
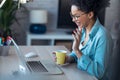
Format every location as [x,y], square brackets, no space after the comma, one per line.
[42,66]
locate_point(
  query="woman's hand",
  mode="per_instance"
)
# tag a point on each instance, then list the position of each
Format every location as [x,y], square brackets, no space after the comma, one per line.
[77,38]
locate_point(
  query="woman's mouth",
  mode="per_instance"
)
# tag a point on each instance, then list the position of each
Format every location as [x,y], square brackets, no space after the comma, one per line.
[78,24]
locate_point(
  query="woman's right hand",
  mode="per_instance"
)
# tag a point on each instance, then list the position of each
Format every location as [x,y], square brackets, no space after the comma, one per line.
[77,38]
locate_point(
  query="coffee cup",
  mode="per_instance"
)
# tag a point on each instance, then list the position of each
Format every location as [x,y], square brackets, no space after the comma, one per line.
[60,55]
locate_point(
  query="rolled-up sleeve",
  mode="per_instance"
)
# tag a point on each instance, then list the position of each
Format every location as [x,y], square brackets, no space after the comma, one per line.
[72,54]
[83,62]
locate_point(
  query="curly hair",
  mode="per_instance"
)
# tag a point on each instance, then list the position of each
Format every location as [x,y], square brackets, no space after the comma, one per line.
[91,5]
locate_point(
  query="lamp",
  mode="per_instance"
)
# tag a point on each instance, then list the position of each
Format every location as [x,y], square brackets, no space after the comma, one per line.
[38,20]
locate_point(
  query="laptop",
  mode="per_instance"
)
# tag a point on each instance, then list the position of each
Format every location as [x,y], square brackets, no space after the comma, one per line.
[41,66]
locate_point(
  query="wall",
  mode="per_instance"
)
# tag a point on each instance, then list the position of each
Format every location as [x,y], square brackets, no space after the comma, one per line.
[112,14]
[111,18]
[50,6]
[23,16]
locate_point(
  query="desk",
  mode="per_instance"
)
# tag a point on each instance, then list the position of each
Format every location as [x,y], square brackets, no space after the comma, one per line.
[52,36]
[10,63]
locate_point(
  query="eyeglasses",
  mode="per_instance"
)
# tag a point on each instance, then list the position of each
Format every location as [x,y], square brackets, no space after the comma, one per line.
[76,16]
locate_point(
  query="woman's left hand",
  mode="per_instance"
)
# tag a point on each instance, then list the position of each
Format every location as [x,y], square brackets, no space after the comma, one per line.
[77,38]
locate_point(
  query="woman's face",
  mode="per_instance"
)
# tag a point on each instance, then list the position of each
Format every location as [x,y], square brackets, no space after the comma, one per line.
[80,18]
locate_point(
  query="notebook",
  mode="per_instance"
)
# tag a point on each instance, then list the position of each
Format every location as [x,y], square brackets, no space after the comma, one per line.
[42,66]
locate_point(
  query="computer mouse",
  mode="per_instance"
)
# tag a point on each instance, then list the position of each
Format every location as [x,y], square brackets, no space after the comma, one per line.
[31,55]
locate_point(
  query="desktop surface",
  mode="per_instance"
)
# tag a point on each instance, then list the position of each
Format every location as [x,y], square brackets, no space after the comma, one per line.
[9,65]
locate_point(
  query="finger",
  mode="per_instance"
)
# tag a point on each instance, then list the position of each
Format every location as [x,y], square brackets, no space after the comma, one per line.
[54,55]
[75,32]
[74,36]
[53,52]
[55,59]
[78,32]
[66,58]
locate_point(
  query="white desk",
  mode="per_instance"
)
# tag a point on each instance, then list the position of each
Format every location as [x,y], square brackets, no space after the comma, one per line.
[52,36]
[71,72]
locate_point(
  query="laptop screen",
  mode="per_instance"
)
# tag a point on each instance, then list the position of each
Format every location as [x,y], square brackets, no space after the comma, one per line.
[23,67]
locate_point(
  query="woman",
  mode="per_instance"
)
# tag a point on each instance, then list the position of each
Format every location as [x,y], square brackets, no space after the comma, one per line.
[92,41]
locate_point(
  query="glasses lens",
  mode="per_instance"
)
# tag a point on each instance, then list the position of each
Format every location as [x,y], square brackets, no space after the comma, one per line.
[76,16]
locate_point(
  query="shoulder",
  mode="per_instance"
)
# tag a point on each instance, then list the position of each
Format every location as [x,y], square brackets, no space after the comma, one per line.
[103,35]
[102,32]
[98,30]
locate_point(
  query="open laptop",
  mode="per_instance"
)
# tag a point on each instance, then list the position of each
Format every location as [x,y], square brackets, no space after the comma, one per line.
[42,66]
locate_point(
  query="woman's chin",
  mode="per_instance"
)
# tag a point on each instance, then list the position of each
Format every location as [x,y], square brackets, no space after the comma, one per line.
[78,25]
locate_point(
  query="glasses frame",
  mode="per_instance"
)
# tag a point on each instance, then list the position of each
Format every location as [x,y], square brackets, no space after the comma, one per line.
[76,16]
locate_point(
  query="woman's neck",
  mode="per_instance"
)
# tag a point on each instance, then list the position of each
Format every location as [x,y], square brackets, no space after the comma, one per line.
[90,25]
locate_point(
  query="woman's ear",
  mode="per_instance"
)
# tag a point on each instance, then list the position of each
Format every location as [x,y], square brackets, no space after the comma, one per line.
[90,15]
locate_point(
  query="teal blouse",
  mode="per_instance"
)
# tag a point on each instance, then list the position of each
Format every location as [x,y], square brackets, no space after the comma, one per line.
[96,52]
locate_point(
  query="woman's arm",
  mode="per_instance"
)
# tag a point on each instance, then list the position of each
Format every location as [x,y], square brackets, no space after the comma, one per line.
[69,59]
[97,65]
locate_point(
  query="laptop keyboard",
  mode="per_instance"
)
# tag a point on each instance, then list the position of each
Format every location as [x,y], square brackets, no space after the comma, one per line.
[36,66]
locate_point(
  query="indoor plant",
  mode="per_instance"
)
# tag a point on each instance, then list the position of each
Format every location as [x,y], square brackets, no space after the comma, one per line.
[7,17]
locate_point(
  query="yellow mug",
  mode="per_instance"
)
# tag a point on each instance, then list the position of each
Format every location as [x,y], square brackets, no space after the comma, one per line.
[61,54]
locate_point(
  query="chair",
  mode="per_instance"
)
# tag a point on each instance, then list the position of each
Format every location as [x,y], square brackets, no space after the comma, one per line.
[113,71]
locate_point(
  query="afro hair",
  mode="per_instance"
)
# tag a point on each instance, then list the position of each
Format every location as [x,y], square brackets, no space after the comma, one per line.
[91,5]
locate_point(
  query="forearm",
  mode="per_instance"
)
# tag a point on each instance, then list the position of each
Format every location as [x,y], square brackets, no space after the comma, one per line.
[78,53]
[73,56]
[93,67]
